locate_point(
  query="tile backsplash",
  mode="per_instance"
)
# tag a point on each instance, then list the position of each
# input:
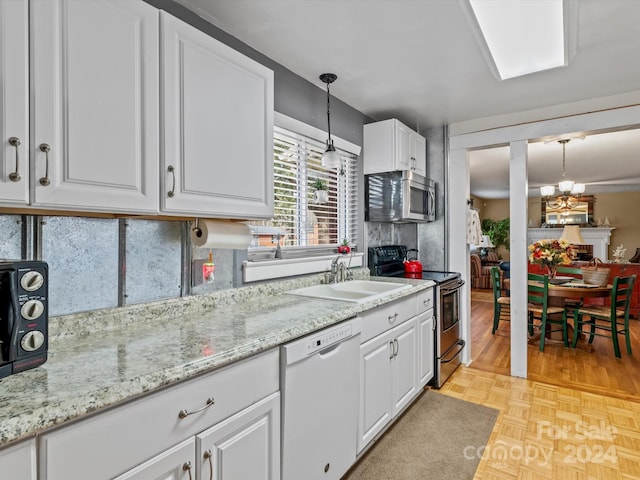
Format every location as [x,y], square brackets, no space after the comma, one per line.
[99,263]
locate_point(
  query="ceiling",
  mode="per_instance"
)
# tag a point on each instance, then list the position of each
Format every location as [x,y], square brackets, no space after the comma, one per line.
[418,61]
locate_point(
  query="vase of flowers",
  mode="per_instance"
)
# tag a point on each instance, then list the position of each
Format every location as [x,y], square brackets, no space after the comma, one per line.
[551,253]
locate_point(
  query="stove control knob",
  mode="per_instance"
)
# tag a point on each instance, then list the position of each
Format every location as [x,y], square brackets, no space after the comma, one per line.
[32,340]
[31,281]
[32,309]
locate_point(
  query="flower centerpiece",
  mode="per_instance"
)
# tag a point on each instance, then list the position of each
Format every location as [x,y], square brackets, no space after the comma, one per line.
[551,253]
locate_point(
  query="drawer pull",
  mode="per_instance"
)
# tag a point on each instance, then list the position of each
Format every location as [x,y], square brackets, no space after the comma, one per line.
[207,455]
[393,318]
[15,176]
[186,413]
[186,467]
[427,303]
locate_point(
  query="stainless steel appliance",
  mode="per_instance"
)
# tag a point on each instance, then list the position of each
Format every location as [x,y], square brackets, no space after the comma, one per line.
[320,381]
[401,196]
[387,261]
[23,315]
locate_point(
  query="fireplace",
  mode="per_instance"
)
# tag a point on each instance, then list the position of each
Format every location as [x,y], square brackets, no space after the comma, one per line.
[597,238]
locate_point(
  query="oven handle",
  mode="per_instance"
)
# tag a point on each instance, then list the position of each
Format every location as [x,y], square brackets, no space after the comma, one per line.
[461,343]
[447,291]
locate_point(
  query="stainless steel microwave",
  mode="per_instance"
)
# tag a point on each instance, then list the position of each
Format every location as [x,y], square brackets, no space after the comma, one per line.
[400,196]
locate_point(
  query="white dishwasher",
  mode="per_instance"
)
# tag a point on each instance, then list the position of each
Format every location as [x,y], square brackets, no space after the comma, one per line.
[320,377]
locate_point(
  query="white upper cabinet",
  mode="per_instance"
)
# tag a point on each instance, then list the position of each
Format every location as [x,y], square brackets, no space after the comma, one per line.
[390,145]
[217,127]
[95,105]
[14,102]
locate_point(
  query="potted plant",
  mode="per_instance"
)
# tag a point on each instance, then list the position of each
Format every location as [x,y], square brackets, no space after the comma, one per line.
[344,247]
[321,193]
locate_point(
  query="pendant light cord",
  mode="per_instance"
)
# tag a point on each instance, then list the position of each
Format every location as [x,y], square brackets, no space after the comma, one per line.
[328,113]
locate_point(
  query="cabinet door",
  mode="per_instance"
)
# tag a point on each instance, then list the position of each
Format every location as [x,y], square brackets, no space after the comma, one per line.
[95,77]
[404,147]
[375,387]
[419,154]
[14,102]
[245,446]
[217,127]
[405,364]
[19,461]
[426,359]
[177,463]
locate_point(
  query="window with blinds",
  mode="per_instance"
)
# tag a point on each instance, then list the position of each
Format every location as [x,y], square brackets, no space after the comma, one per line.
[314,207]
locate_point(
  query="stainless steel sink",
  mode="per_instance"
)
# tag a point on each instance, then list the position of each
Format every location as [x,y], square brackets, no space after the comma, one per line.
[355,291]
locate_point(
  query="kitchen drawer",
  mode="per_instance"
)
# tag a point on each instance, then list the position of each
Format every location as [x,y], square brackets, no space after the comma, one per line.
[385,317]
[425,300]
[107,444]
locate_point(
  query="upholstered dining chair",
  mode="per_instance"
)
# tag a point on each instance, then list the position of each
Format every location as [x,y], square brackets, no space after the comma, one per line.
[539,309]
[501,305]
[613,319]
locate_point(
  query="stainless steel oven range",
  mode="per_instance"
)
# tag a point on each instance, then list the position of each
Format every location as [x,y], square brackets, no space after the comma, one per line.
[387,261]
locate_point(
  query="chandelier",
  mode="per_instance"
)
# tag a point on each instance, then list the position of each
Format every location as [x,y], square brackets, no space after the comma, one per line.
[570,191]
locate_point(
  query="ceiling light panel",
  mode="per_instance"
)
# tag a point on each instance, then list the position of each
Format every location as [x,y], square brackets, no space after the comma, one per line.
[523,36]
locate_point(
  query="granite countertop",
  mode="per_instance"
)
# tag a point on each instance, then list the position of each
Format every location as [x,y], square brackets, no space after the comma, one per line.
[99,359]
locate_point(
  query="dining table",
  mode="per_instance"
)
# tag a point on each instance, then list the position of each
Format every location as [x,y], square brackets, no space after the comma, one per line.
[574,290]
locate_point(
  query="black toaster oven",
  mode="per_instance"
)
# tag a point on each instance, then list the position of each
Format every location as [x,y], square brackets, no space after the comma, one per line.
[24,311]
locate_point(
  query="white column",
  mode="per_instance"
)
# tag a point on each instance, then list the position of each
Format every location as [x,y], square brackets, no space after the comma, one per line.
[518,188]
[458,193]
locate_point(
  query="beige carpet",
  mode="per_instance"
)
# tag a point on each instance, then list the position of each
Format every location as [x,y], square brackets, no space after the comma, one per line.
[438,437]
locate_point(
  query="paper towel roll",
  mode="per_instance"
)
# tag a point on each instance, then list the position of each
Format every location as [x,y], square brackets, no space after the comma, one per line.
[221,234]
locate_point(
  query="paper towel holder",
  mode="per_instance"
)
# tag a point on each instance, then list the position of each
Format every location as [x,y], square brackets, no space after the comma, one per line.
[196,229]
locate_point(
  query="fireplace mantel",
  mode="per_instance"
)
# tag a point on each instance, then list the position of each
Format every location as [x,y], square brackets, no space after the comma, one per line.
[599,237]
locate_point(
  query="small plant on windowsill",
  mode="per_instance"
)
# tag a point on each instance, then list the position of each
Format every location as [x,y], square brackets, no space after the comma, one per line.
[321,193]
[344,247]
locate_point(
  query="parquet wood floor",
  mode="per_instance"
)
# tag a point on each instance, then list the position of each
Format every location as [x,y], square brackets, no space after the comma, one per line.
[547,431]
[577,416]
[596,372]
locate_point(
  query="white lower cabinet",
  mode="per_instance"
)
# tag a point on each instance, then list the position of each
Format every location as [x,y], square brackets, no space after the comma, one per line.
[388,378]
[426,347]
[130,437]
[177,463]
[244,446]
[18,462]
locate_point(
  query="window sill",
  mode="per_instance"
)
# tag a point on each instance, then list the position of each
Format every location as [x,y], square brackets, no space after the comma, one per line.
[255,271]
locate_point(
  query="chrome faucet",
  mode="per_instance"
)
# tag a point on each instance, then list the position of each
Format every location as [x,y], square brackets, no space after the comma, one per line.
[338,270]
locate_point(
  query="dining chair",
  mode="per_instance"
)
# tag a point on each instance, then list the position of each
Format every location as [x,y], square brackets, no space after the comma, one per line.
[539,309]
[613,318]
[570,304]
[501,305]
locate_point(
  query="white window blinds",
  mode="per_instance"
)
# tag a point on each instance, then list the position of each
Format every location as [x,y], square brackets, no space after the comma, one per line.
[314,207]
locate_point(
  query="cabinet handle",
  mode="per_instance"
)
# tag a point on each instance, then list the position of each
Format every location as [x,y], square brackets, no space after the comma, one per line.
[172,192]
[426,303]
[15,176]
[413,163]
[207,455]
[44,181]
[393,318]
[186,467]
[186,413]
[397,347]
[391,346]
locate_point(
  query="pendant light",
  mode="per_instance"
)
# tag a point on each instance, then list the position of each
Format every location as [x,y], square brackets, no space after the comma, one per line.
[330,158]
[570,191]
